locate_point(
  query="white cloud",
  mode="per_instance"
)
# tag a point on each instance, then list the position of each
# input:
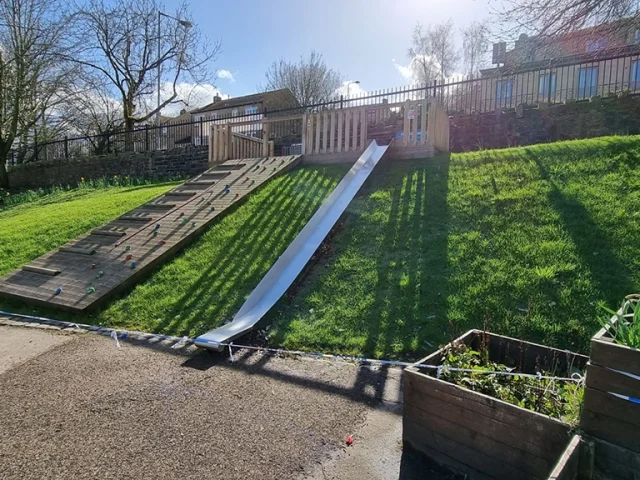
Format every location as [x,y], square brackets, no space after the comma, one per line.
[406,71]
[352,88]
[226,74]
[195,96]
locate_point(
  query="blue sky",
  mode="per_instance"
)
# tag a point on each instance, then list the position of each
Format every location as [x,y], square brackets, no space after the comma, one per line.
[359,38]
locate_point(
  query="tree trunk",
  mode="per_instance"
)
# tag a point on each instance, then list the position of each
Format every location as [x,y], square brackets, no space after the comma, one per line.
[4,176]
[128,135]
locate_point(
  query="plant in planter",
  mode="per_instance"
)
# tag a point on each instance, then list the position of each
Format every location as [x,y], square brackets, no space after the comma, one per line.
[488,425]
[557,399]
[611,408]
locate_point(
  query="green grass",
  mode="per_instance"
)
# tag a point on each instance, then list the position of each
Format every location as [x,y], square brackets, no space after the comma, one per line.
[33,227]
[525,241]
[208,282]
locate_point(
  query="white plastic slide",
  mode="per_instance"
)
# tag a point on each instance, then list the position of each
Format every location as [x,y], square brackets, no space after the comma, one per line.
[282,274]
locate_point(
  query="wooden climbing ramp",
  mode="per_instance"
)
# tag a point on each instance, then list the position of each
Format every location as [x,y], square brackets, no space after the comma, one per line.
[86,272]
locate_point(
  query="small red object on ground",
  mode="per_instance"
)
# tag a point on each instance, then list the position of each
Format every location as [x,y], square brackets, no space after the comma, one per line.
[349,441]
[129,257]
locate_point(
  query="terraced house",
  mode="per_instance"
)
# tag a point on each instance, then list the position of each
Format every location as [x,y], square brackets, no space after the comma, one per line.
[598,61]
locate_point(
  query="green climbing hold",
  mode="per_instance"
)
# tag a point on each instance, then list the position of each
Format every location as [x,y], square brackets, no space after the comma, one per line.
[91,290]
[185,220]
[127,248]
[100,274]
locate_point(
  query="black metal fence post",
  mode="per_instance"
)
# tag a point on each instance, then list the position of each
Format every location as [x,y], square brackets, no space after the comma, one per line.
[146,138]
[341,101]
[66,147]
[201,131]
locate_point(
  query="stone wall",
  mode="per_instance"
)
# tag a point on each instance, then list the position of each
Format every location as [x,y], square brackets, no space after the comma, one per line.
[526,126]
[179,162]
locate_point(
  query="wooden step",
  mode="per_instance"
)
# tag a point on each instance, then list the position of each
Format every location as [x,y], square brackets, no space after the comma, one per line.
[40,270]
[108,233]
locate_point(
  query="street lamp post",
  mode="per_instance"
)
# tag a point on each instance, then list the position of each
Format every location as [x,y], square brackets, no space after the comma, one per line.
[357,82]
[186,24]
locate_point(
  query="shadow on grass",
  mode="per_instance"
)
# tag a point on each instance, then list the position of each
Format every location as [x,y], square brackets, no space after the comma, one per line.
[247,255]
[608,271]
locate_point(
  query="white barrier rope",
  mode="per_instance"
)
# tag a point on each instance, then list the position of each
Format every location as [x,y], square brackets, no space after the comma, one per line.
[183,341]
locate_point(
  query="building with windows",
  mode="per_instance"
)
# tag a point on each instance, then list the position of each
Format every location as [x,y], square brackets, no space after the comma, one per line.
[601,60]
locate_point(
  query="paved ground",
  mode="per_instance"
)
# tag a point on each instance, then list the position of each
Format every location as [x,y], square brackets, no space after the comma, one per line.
[81,408]
[75,406]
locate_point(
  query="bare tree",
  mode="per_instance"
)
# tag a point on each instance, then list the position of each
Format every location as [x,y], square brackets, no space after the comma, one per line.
[551,17]
[31,70]
[421,54]
[126,41]
[310,79]
[91,111]
[475,45]
[433,53]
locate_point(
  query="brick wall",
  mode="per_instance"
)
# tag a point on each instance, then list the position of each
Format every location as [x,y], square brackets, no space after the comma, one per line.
[179,162]
[606,116]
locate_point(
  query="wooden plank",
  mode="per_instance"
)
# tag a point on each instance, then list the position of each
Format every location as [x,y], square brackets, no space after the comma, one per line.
[316,148]
[413,439]
[80,251]
[618,462]
[332,132]
[414,124]
[423,123]
[614,407]
[136,218]
[325,127]
[481,443]
[405,129]
[347,131]
[484,420]
[610,429]
[567,466]
[304,133]
[109,233]
[340,128]
[363,128]
[354,133]
[618,357]
[607,380]
[418,436]
[42,271]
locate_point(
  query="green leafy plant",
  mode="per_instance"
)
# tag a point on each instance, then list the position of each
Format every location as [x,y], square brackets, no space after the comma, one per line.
[555,398]
[624,325]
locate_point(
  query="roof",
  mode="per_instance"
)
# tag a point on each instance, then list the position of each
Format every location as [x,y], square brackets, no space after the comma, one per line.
[183,117]
[252,99]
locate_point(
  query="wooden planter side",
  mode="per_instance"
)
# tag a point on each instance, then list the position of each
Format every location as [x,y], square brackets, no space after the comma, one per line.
[613,369]
[477,434]
[569,463]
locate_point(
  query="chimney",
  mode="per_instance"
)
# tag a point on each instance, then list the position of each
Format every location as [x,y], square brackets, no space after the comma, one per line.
[216,98]
[183,111]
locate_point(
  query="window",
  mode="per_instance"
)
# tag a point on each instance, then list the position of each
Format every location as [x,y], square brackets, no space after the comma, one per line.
[587,82]
[637,36]
[213,115]
[595,45]
[503,91]
[234,112]
[251,110]
[547,86]
[634,81]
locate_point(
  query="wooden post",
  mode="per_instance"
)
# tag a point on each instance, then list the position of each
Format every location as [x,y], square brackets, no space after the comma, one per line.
[363,128]
[265,140]
[354,133]
[347,129]
[316,148]
[431,122]
[227,142]
[405,134]
[340,126]
[325,125]
[272,146]
[423,122]
[332,132]
[414,124]
[304,134]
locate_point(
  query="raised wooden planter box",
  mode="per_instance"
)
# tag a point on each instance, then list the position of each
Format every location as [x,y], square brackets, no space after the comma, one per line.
[479,435]
[613,369]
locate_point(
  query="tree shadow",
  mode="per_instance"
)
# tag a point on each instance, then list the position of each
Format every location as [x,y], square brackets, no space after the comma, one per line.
[612,277]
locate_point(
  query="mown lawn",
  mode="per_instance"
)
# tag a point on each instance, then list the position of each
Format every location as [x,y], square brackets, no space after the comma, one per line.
[206,284]
[32,228]
[525,241]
